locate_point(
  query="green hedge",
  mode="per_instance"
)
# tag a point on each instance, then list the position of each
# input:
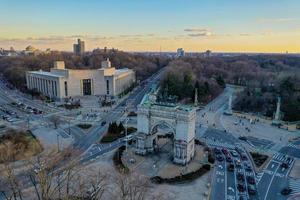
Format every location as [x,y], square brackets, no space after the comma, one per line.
[182,178]
[117,159]
[84,126]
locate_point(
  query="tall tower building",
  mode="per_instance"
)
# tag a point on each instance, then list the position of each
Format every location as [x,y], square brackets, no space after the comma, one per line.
[78,48]
[180,53]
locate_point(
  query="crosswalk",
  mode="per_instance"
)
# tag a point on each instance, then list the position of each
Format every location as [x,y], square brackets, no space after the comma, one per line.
[282,158]
[295,186]
[258,176]
[219,144]
[293,146]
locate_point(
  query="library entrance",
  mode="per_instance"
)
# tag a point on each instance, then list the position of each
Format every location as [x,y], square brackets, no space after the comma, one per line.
[87,86]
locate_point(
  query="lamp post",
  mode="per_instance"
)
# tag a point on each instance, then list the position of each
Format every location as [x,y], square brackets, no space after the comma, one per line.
[57,142]
[69,126]
[126,122]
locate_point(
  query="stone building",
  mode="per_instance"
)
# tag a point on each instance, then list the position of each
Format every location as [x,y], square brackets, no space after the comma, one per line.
[62,83]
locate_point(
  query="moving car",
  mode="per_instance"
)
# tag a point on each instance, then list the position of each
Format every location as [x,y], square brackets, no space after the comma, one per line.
[240,176]
[241,187]
[220,158]
[225,151]
[284,165]
[234,153]
[128,138]
[250,180]
[286,191]
[251,190]
[228,159]
[217,151]
[231,167]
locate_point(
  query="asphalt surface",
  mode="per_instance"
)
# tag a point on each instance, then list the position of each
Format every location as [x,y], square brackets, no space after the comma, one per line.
[274,178]
[93,136]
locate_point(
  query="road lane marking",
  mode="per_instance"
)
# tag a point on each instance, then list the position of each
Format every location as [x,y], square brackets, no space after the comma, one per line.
[270,183]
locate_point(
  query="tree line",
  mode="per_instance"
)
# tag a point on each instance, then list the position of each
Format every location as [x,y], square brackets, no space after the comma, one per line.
[14,68]
[265,77]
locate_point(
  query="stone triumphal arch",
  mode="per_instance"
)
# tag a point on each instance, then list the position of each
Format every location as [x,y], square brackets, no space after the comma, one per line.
[180,119]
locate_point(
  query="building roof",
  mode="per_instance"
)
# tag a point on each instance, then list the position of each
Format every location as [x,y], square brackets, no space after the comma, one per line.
[44,73]
[121,71]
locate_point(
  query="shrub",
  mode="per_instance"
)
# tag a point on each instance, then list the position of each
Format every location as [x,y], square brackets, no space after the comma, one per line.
[182,178]
[117,159]
[84,126]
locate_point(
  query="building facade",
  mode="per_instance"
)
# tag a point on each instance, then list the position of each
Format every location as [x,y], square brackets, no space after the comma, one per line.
[62,83]
[79,48]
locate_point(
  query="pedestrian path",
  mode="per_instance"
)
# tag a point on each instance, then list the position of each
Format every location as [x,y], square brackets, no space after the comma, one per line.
[295,186]
[219,144]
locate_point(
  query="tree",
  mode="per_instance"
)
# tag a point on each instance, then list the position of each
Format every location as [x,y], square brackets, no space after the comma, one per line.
[55,120]
[121,128]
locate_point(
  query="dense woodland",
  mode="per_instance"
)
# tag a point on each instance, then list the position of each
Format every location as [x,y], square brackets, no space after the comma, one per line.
[14,68]
[264,77]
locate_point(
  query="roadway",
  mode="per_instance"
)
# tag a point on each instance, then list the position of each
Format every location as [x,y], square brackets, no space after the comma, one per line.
[116,114]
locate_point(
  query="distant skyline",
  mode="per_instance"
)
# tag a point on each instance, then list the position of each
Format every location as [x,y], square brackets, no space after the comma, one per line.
[148,25]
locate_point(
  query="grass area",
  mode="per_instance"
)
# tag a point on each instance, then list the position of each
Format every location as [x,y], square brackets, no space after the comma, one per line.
[259,159]
[84,126]
[110,137]
[17,145]
[182,178]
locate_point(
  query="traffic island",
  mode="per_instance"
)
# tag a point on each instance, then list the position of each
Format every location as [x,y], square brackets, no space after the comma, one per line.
[258,159]
[159,166]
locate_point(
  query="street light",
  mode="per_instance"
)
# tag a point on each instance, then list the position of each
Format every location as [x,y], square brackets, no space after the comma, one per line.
[57,142]
[126,122]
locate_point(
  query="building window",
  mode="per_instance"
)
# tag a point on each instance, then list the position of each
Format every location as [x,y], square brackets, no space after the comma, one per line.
[107,86]
[66,88]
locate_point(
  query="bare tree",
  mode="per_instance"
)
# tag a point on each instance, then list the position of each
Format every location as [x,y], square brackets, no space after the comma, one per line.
[55,120]
[8,175]
[131,186]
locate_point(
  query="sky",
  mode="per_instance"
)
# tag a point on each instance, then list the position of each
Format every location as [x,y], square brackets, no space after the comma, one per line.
[153,25]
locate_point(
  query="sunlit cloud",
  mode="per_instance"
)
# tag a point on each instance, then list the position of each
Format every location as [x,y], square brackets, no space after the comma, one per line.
[198,32]
[277,20]
[245,34]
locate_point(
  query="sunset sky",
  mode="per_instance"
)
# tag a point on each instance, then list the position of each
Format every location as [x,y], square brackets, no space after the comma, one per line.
[147,25]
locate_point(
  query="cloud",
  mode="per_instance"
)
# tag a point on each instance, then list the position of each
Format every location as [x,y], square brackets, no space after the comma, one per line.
[198,32]
[277,20]
[245,34]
